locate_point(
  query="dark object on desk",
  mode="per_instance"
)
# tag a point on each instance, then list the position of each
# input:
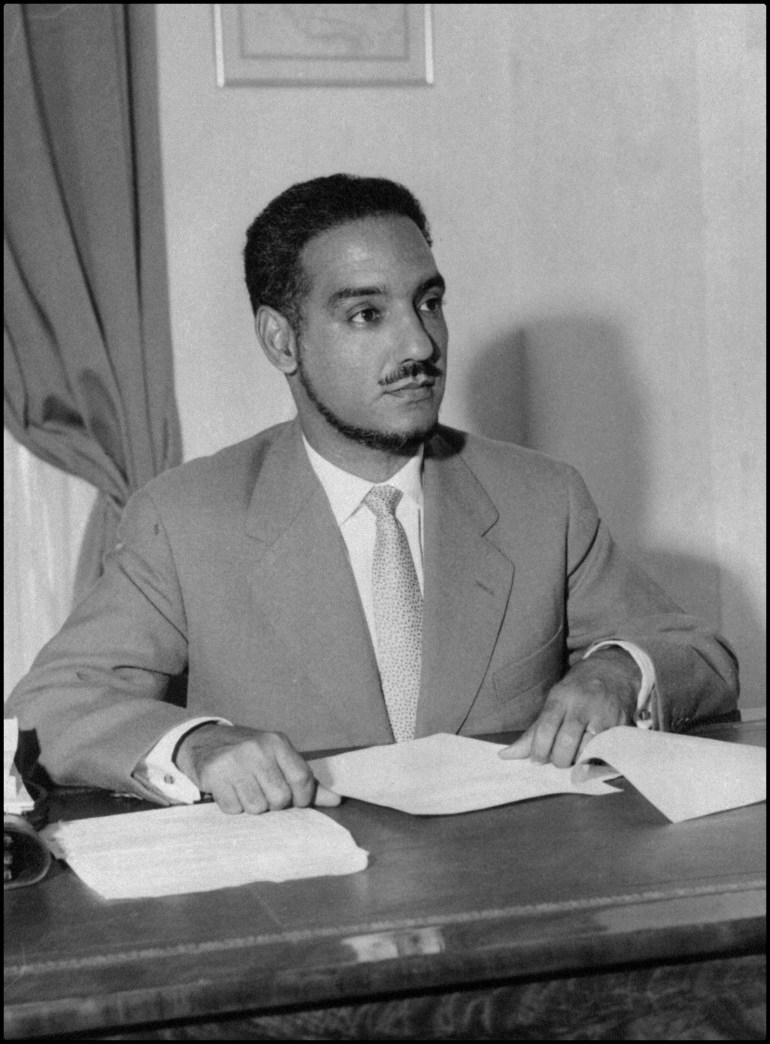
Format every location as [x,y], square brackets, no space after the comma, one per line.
[26,859]
[27,761]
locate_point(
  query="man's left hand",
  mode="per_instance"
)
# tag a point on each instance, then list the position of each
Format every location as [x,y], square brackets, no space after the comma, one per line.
[596,694]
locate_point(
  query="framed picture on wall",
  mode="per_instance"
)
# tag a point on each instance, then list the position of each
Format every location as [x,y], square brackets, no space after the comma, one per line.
[318,44]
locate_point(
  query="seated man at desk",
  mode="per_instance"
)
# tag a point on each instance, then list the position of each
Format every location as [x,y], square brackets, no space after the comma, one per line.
[361,574]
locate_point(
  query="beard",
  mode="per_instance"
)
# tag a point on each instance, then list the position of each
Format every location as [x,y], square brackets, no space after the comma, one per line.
[406,442]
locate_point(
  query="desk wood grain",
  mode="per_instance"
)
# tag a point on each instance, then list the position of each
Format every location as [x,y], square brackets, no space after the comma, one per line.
[560,886]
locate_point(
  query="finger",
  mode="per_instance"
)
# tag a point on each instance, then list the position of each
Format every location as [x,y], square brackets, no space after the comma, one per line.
[520,748]
[227,799]
[588,735]
[273,785]
[567,743]
[546,730]
[325,798]
[297,774]
[251,796]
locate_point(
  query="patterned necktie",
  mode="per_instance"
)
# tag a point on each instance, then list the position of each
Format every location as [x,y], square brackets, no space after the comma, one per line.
[397,613]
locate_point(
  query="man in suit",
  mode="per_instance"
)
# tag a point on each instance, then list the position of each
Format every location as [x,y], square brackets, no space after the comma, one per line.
[360,574]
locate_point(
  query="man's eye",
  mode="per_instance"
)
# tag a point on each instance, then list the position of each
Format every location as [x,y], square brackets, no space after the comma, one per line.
[433,304]
[365,316]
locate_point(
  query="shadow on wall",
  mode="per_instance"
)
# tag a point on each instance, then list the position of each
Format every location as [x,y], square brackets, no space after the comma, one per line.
[565,385]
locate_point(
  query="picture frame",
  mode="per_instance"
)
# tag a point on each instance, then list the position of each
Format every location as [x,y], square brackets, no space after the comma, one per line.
[317,45]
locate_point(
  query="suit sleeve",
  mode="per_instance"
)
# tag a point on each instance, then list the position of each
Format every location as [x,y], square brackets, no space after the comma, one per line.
[609,598]
[95,695]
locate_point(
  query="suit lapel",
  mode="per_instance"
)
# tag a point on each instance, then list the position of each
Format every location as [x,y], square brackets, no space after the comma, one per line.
[301,578]
[467,586]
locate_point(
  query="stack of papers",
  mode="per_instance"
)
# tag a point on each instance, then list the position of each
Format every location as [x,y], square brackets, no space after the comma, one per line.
[683,776]
[197,848]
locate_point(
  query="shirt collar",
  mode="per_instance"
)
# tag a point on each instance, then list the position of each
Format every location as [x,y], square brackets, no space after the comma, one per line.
[346,491]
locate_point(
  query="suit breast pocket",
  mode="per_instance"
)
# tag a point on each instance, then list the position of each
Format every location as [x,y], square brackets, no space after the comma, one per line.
[541,669]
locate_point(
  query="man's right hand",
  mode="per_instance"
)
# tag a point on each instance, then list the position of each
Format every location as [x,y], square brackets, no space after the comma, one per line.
[247,770]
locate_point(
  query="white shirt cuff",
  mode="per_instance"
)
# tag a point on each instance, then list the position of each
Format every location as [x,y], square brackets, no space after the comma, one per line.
[157,771]
[643,715]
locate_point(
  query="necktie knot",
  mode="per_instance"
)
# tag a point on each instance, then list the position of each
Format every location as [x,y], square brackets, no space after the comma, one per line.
[383,500]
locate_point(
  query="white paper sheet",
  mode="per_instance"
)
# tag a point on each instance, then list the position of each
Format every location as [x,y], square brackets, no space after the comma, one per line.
[198,848]
[443,774]
[684,776]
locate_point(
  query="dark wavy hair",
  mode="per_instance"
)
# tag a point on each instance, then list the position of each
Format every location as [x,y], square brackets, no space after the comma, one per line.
[277,236]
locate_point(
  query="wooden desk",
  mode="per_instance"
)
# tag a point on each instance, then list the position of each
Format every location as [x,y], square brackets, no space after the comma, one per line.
[564,917]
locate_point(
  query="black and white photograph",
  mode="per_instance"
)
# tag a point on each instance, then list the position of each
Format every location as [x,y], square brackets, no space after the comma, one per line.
[385,522]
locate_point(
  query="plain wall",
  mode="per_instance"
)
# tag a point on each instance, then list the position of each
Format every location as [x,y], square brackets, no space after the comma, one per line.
[594,176]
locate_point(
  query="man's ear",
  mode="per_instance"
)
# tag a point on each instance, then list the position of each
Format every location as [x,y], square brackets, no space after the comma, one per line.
[277,339]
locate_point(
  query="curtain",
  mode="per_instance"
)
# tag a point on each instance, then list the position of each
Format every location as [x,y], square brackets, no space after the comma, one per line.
[88,365]
[45,511]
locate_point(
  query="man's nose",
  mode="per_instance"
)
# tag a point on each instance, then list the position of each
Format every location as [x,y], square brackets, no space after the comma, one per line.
[415,342]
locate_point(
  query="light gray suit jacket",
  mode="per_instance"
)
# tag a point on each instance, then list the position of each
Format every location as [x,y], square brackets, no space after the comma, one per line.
[232,567]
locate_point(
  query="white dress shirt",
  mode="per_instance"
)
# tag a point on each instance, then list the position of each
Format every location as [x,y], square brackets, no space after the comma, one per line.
[358,528]
[358,524]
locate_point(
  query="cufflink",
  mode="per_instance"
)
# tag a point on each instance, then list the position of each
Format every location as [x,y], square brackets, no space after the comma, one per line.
[169,779]
[644,715]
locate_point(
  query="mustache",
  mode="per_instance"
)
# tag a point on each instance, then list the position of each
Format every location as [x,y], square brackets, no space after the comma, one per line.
[411,371]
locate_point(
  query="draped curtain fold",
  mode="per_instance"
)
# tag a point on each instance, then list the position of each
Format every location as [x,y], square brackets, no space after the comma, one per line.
[88,363]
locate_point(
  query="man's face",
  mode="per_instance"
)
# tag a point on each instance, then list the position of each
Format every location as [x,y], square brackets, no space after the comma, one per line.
[373,340]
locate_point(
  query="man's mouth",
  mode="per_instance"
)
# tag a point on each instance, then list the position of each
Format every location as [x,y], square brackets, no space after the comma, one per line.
[412,391]
[412,375]
[411,384]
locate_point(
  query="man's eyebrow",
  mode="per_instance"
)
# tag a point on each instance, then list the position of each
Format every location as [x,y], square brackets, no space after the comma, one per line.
[434,282]
[347,292]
